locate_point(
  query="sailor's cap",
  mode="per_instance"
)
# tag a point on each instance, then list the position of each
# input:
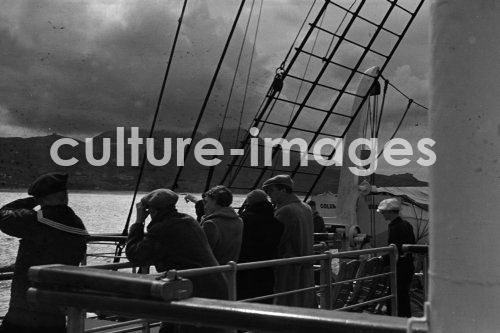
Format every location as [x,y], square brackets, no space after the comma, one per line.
[391,204]
[48,183]
[160,198]
[284,180]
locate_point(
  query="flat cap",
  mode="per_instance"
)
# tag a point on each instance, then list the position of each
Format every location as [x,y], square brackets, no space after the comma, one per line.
[389,204]
[48,183]
[284,180]
[160,198]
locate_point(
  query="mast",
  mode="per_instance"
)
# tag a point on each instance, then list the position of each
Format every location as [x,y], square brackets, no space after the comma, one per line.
[465,182]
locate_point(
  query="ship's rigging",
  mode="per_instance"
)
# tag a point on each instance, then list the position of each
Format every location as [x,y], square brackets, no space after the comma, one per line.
[313,86]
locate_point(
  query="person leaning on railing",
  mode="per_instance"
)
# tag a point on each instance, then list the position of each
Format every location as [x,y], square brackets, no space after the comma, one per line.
[173,240]
[52,235]
[261,236]
[221,224]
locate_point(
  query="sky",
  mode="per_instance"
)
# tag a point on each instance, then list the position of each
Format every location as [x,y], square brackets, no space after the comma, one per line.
[79,68]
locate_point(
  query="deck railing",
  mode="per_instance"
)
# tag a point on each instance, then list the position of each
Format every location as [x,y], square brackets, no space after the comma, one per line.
[324,289]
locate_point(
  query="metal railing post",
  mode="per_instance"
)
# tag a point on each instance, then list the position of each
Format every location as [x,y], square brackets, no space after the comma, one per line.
[393,257]
[145,326]
[76,320]
[231,286]
[326,278]
[426,277]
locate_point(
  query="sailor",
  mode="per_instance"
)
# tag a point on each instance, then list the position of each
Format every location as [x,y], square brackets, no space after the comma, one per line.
[319,223]
[173,240]
[296,240]
[222,225]
[400,232]
[52,235]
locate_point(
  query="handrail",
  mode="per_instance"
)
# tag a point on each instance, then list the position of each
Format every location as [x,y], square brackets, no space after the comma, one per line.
[324,287]
[107,237]
[258,264]
[6,271]
[227,314]
[123,324]
[414,248]
[231,268]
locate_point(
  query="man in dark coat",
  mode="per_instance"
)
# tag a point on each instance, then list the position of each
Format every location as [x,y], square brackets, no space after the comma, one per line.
[174,241]
[52,235]
[297,240]
[261,236]
[400,232]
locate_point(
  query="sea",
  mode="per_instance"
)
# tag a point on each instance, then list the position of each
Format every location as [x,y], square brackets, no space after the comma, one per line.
[101,212]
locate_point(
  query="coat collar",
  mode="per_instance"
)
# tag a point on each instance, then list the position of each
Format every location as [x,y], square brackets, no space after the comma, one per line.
[288,199]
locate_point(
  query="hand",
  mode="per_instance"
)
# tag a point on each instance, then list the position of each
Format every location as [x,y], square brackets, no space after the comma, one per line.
[141,212]
[190,198]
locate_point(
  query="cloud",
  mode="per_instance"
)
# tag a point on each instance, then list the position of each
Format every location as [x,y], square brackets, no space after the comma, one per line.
[89,66]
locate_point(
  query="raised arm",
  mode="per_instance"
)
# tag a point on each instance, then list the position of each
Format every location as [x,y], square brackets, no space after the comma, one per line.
[18,219]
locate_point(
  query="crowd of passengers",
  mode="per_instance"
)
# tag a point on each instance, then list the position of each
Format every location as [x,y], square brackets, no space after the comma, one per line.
[262,229]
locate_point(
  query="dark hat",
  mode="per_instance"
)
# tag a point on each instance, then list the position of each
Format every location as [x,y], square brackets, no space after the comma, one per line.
[284,180]
[256,196]
[48,183]
[160,198]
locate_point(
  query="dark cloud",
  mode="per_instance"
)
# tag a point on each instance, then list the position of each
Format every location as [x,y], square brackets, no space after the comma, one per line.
[76,70]
[86,67]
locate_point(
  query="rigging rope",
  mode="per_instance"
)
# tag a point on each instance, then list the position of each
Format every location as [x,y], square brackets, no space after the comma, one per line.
[386,84]
[248,74]
[305,70]
[402,93]
[237,138]
[309,59]
[235,73]
[410,102]
[337,30]
[297,36]
[212,168]
[207,97]
[151,131]
[155,118]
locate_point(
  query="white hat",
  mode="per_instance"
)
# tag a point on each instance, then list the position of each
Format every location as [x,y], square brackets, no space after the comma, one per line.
[389,204]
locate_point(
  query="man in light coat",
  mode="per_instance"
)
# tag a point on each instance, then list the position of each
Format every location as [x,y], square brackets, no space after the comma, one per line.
[222,225]
[297,240]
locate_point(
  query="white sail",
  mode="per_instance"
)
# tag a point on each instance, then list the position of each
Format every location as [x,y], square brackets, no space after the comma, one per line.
[348,192]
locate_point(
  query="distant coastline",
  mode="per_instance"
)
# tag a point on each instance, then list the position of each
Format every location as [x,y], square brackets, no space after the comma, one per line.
[24,159]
